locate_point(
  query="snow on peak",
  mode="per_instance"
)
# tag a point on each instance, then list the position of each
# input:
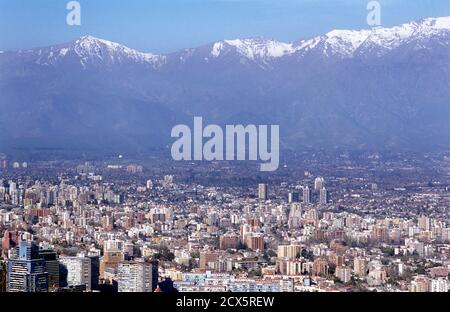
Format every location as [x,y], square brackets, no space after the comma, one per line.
[346,42]
[90,47]
[437,22]
[254,48]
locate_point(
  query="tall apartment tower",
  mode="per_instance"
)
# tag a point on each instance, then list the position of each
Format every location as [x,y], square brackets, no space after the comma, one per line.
[293,197]
[136,276]
[263,191]
[78,270]
[306,195]
[319,183]
[323,196]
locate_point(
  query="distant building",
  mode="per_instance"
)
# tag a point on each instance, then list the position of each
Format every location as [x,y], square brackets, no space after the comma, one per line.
[306,195]
[288,251]
[293,197]
[229,241]
[208,260]
[263,191]
[424,223]
[343,273]
[380,233]
[319,183]
[255,242]
[320,267]
[359,266]
[323,196]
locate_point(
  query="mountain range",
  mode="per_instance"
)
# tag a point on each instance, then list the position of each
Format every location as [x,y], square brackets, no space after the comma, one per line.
[375,89]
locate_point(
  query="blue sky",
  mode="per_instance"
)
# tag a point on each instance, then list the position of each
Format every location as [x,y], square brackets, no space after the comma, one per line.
[169,25]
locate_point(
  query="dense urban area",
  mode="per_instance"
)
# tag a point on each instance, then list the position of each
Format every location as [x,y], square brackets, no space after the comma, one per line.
[347,222]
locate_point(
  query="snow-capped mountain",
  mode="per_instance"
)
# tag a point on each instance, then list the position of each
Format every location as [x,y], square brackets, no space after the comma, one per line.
[89,50]
[254,49]
[364,89]
[336,43]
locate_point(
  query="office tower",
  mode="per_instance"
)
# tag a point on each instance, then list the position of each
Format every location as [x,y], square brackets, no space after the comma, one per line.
[293,197]
[319,183]
[78,270]
[52,265]
[359,266]
[306,195]
[26,270]
[136,276]
[95,271]
[323,196]
[263,191]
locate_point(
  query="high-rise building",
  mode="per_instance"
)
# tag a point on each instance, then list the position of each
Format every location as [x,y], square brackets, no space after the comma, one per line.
[439,285]
[323,196]
[306,195]
[263,191]
[208,260]
[319,183]
[136,276]
[255,242]
[110,261]
[78,270]
[320,267]
[26,270]
[95,271]
[296,210]
[424,223]
[380,233]
[288,251]
[359,266]
[343,273]
[293,197]
[229,241]
[52,265]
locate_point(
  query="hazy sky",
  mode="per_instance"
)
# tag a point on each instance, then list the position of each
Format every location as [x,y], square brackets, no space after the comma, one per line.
[168,25]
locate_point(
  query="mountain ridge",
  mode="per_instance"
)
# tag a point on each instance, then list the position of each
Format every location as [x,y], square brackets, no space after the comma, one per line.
[384,88]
